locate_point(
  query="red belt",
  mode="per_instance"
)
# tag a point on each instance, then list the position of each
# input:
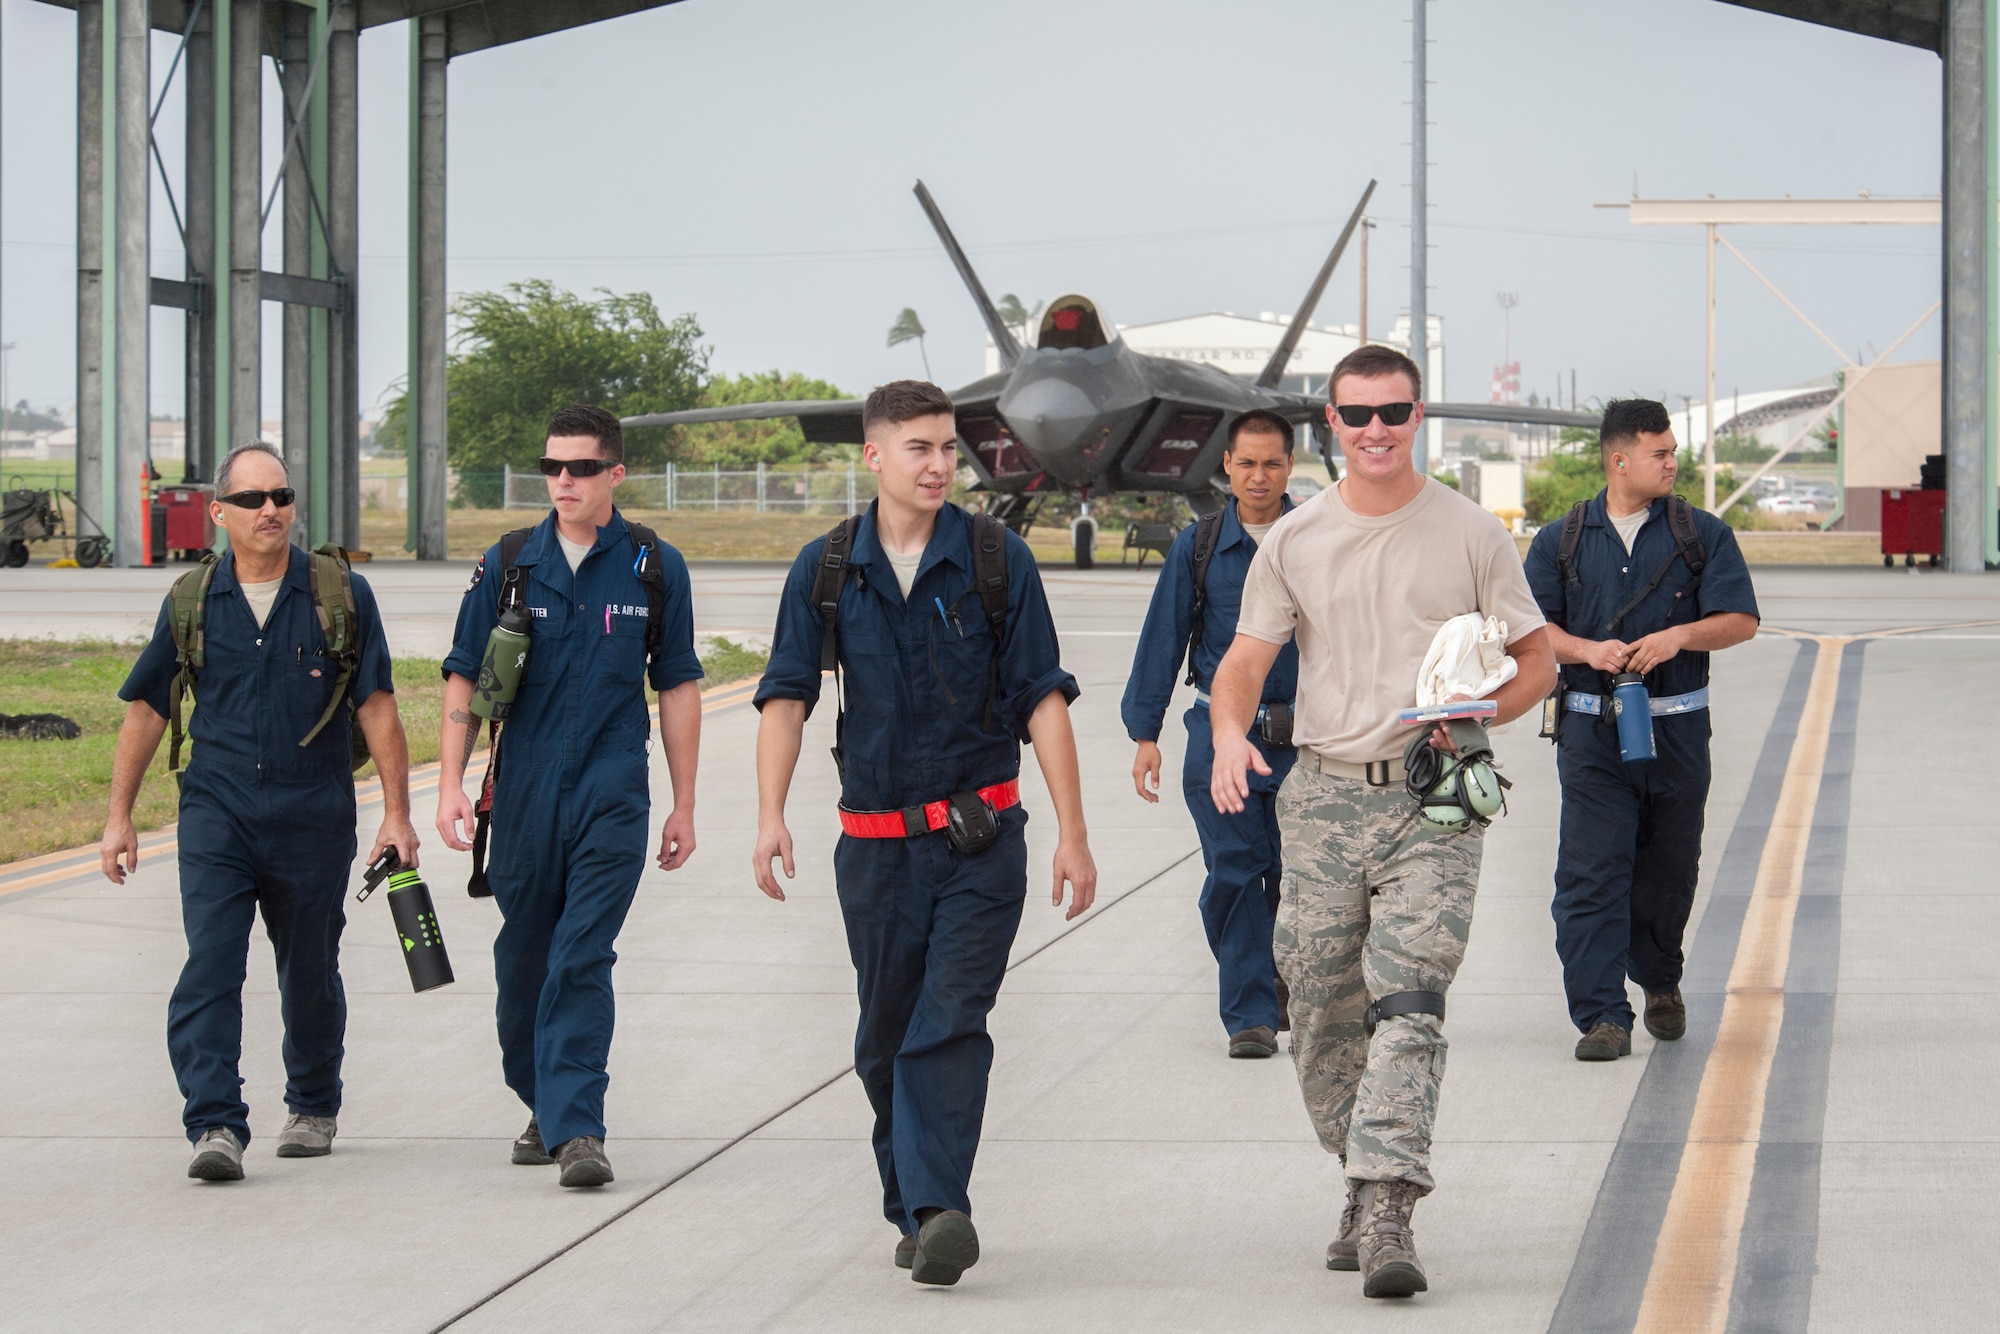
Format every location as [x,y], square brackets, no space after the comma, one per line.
[927,818]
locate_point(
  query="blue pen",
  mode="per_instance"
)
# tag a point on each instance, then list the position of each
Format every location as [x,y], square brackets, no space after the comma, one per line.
[946,617]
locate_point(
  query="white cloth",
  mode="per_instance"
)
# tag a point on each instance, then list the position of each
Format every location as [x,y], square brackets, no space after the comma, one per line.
[905,567]
[1257,530]
[260,597]
[1468,657]
[1629,526]
[574,552]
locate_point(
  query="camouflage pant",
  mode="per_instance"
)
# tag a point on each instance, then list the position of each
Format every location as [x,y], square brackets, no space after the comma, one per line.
[1372,904]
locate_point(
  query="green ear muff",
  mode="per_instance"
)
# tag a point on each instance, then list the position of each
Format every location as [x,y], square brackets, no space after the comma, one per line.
[1454,792]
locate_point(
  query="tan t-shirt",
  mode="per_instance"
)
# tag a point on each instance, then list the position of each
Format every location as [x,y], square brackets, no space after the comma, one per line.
[1365,596]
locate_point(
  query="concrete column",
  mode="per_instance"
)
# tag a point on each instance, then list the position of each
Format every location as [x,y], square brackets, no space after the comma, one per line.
[1966,202]
[343,137]
[1420,320]
[90,217]
[427,286]
[294,63]
[198,66]
[131,288]
[243,368]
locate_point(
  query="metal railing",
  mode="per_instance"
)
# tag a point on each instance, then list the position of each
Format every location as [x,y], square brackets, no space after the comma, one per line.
[764,490]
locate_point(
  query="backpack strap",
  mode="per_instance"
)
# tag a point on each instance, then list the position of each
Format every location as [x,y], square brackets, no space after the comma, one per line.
[187,605]
[1207,532]
[1572,534]
[828,581]
[989,576]
[339,624]
[509,593]
[646,563]
[1687,538]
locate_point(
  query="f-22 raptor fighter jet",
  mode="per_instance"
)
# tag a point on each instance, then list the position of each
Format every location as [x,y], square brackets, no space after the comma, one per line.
[1082,414]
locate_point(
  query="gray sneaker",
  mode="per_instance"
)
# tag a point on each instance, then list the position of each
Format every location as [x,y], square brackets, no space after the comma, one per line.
[217,1157]
[306,1137]
[947,1246]
[583,1162]
[528,1150]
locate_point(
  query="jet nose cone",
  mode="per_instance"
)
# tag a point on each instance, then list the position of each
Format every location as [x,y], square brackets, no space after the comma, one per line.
[1049,415]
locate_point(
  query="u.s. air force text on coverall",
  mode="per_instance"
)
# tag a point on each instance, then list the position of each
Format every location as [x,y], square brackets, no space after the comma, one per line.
[571,805]
[1630,845]
[1239,899]
[265,826]
[928,927]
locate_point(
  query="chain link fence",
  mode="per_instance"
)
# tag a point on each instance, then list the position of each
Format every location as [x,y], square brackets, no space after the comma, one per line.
[762,490]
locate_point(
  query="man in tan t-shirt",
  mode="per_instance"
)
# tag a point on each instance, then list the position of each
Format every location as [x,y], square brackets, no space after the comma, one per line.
[1374,908]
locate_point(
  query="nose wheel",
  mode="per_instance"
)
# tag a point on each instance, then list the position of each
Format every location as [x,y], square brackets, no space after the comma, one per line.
[1083,538]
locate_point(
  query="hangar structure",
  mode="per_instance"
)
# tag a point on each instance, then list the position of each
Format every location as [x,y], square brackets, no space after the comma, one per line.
[220,211]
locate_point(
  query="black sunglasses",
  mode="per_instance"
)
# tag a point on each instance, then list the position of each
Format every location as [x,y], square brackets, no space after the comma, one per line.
[281,496]
[1356,415]
[577,467]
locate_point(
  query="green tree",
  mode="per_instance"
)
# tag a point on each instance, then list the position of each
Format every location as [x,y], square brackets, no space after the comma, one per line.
[1574,472]
[906,327]
[743,444]
[531,348]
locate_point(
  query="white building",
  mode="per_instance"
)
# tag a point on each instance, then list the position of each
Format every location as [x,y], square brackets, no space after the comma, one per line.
[1243,345]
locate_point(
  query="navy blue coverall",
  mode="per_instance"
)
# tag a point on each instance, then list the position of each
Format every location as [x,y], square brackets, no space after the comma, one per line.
[1629,852]
[265,826]
[1239,899]
[928,927]
[571,804]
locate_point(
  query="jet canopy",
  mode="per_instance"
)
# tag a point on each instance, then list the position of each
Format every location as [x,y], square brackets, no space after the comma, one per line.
[1073,322]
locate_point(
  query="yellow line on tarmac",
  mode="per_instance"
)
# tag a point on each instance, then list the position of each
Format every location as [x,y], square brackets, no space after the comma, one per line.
[1694,1260]
[73,862]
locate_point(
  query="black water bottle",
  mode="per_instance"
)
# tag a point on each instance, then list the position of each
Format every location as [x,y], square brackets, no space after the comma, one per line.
[415,916]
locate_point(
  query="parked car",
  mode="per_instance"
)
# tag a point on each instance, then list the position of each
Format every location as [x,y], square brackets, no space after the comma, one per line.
[1302,488]
[1790,503]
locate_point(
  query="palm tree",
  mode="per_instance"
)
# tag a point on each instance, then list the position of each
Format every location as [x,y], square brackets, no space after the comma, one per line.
[906,327]
[1017,316]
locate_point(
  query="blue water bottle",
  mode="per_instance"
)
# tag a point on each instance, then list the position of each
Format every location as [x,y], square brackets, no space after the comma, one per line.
[1633,708]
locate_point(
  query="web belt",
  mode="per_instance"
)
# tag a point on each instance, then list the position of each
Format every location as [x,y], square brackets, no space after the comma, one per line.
[1662,705]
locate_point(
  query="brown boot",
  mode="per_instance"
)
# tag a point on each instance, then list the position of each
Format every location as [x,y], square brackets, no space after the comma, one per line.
[1386,1250]
[1340,1252]
[1666,1015]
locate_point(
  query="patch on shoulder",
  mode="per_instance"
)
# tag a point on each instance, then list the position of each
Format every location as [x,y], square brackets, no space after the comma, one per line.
[478,573]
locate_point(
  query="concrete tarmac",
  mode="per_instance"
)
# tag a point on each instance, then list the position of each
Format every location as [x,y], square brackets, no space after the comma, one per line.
[1817,1154]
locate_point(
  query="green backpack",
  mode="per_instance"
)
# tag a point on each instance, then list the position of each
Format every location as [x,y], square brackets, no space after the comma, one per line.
[333,599]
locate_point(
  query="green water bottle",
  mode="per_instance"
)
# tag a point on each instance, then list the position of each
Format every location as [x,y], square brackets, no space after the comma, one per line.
[415,918]
[500,673]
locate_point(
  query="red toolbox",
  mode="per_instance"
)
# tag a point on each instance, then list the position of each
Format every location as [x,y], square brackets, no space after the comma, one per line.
[1912,526]
[190,531]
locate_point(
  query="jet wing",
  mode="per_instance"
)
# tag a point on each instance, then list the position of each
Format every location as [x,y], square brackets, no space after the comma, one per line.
[1300,408]
[824,421]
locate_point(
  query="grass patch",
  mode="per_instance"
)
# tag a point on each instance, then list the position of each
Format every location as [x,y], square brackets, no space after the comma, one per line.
[54,793]
[727,660]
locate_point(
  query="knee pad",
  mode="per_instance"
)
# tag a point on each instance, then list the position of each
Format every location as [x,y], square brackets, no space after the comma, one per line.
[1402,1002]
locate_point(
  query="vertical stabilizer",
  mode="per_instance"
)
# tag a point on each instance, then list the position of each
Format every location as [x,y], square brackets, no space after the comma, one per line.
[1274,372]
[1003,337]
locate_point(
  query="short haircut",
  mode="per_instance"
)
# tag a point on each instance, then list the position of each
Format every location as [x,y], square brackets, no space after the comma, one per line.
[1262,421]
[904,400]
[588,419]
[1627,418]
[1371,361]
[225,474]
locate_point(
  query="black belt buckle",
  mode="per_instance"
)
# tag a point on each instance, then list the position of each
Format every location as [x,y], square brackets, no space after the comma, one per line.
[969,822]
[1274,723]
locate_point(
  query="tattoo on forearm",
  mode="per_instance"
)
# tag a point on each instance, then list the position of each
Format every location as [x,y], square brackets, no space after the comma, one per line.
[470,722]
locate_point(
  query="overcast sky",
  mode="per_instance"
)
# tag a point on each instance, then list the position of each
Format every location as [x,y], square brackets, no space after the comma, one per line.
[750,161]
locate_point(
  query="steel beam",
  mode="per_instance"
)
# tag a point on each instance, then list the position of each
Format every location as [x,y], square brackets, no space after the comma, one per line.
[91,87]
[307,472]
[130,291]
[1967,202]
[341,135]
[1420,319]
[241,411]
[1857,212]
[425,418]
[199,187]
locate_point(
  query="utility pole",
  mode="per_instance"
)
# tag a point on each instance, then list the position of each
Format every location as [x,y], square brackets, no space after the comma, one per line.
[1420,318]
[1507,300]
[1367,226]
[1708,450]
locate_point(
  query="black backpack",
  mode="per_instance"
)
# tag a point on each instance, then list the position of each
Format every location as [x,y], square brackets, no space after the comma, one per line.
[989,579]
[1207,532]
[1687,547]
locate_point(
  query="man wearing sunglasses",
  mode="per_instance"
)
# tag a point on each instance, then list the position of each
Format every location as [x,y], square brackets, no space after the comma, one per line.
[266,822]
[571,801]
[1375,907]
